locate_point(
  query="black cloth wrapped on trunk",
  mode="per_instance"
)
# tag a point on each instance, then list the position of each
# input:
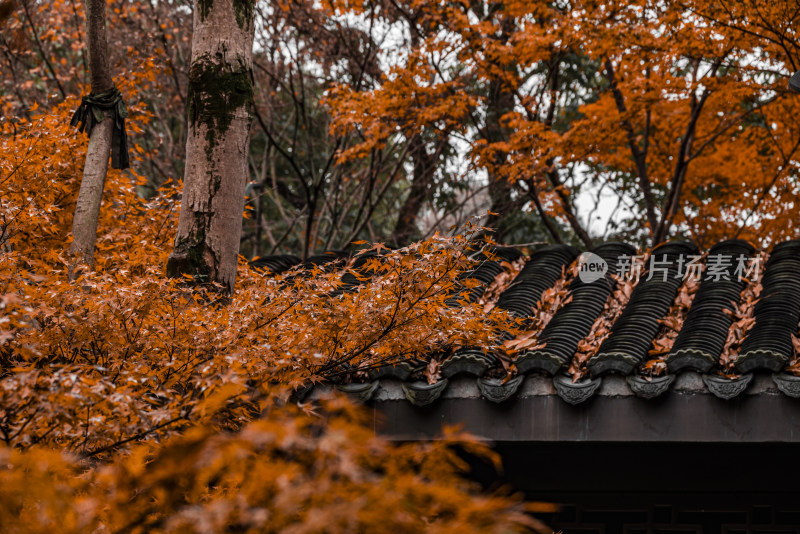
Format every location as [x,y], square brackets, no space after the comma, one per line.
[94,109]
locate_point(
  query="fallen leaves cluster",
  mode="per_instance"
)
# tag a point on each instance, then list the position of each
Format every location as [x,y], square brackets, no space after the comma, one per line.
[501,282]
[670,328]
[741,314]
[793,366]
[601,329]
[552,300]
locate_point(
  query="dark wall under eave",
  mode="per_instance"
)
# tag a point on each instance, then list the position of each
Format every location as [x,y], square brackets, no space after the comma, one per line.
[685,462]
[545,468]
[658,488]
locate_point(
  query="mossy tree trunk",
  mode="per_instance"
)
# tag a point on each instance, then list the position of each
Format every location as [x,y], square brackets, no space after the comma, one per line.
[220,112]
[90,196]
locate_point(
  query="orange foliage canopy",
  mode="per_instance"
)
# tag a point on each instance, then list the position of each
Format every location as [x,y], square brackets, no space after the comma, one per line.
[679,108]
[129,402]
[287,471]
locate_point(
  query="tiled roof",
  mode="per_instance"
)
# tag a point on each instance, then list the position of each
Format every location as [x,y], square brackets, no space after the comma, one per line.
[609,324]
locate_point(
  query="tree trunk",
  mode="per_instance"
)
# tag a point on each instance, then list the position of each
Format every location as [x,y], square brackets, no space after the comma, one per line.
[405,229]
[220,111]
[499,102]
[87,209]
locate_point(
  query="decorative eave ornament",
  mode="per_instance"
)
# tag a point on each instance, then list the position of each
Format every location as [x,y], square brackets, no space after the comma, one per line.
[94,109]
[794,82]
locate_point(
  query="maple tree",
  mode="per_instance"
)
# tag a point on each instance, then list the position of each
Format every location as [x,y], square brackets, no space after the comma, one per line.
[303,196]
[107,381]
[126,384]
[131,402]
[676,107]
[353,103]
[289,472]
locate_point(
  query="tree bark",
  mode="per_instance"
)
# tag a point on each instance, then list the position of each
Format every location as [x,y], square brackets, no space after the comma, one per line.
[424,167]
[220,110]
[90,196]
[499,102]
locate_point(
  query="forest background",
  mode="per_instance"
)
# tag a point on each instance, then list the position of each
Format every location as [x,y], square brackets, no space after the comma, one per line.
[128,400]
